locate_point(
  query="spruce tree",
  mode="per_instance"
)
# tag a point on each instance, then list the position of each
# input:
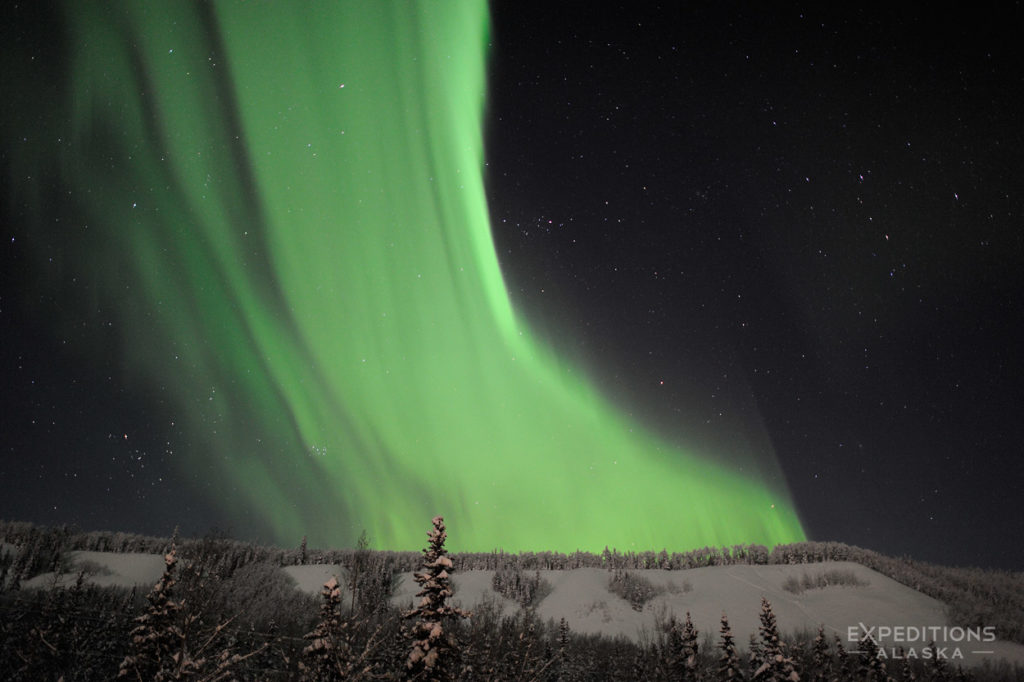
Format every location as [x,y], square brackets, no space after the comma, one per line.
[871,667]
[939,669]
[21,570]
[169,642]
[755,654]
[907,673]
[843,672]
[775,664]
[729,662]
[822,661]
[357,565]
[638,669]
[6,560]
[564,670]
[524,658]
[690,646]
[434,648]
[674,657]
[327,654]
[156,635]
[771,644]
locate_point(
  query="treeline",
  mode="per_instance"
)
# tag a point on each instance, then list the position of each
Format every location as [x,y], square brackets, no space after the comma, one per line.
[976,597]
[524,589]
[214,617]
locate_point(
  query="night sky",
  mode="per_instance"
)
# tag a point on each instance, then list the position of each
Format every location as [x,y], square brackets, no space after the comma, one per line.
[802,222]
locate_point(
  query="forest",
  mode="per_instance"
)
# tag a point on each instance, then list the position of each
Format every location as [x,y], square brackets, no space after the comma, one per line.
[224,610]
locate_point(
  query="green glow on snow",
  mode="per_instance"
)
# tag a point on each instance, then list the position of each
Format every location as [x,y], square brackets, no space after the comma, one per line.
[287,204]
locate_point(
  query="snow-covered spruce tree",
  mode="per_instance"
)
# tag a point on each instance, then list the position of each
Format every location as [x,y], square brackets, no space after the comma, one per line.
[729,662]
[434,648]
[673,657]
[358,563]
[938,669]
[21,570]
[376,586]
[689,649]
[526,657]
[638,669]
[156,635]
[755,654]
[842,661]
[871,667]
[564,669]
[822,661]
[6,562]
[330,654]
[563,636]
[327,649]
[907,673]
[775,664]
[169,642]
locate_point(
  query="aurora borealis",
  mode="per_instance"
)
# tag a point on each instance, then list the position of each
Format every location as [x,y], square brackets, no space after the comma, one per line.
[284,205]
[569,278]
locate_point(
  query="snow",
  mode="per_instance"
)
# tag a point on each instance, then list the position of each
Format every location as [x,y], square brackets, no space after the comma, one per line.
[581,596]
[312,578]
[106,569]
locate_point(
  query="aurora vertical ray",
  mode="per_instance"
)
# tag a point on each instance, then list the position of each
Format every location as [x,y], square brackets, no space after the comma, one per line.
[286,203]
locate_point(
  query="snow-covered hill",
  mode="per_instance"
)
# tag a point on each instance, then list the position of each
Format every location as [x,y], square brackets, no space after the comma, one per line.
[582,597]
